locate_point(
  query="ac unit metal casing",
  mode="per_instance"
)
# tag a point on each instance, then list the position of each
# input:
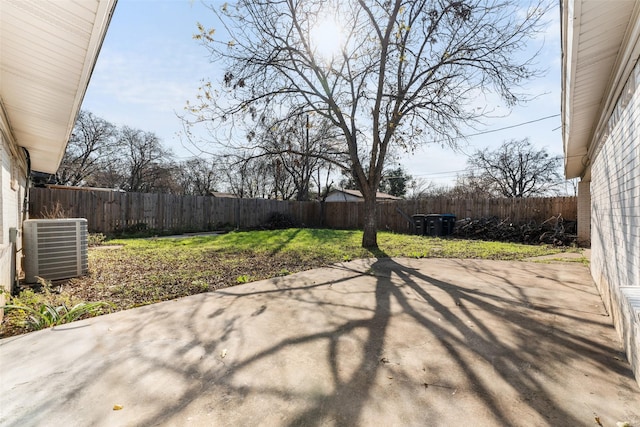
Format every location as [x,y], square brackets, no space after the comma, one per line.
[55,248]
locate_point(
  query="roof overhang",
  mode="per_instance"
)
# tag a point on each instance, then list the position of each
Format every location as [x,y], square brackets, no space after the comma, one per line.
[47,53]
[599,48]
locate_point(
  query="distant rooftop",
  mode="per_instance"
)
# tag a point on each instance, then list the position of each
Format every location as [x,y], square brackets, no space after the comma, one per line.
[356,193]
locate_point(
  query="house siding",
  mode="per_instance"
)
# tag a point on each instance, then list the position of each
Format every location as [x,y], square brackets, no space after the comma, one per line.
[615,219]
[13,184]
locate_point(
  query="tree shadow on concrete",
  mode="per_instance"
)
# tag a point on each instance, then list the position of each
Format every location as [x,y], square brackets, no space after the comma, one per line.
[363,335]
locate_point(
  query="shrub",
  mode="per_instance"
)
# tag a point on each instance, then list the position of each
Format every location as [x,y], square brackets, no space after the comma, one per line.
[278,220]
[96,239]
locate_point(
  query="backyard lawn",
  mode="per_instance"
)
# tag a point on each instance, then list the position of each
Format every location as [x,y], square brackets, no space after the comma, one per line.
[128,273]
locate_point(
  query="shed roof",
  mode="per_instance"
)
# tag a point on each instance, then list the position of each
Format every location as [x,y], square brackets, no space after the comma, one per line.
[47,53]
[356,193]
[599,48]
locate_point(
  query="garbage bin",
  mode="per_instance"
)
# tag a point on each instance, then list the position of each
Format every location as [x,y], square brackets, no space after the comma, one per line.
[418,223]
[433,225]
[448,222]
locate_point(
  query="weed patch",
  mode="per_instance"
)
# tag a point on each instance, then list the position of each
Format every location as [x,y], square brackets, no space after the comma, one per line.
[35,309]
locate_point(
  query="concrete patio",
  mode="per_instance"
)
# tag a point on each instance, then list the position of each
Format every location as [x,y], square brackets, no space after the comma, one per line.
[394,342]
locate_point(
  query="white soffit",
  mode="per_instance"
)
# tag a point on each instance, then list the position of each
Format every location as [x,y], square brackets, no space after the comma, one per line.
[48,49]
[593,39]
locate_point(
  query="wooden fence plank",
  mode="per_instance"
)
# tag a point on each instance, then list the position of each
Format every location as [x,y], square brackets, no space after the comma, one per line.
[111,211]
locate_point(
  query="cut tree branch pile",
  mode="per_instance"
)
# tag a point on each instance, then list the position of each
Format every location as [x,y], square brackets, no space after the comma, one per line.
[554,231]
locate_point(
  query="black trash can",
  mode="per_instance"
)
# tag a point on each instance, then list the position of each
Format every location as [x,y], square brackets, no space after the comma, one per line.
[418,224]
[433,225]
[448,222]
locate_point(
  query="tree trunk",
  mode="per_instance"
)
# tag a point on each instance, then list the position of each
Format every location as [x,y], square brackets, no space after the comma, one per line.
[370,235]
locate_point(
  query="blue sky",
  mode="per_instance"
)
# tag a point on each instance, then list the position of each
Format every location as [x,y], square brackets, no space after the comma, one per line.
[149,66]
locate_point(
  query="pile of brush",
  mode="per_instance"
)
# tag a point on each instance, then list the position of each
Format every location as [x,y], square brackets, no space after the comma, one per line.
[554,231]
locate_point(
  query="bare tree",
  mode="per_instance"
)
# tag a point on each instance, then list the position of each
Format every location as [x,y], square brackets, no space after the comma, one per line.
[419,188]
[92,141]
[199,176]
[144,162]
[571,187]
[288,154]
[401,72]
[110,176]
[101,155]
[323,182]
[246,176]
[299,148]
[516,169]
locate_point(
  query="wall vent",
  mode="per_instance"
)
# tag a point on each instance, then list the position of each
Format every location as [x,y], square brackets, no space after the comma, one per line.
[55,248]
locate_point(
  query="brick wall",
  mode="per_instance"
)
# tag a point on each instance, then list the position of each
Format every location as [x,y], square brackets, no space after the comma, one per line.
[584,213]
[615,217]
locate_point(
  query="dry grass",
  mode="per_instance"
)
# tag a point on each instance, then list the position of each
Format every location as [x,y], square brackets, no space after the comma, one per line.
[136,272]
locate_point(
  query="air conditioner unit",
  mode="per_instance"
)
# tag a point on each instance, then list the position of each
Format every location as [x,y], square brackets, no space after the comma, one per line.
[54,248]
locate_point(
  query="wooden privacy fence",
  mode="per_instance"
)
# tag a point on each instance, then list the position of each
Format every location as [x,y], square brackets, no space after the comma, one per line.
[351,214]
[111,211]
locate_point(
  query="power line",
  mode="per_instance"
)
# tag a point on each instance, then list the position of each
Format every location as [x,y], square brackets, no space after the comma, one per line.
[493,131]
[484,132]
[445,174]
[442,173]
[514,126]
